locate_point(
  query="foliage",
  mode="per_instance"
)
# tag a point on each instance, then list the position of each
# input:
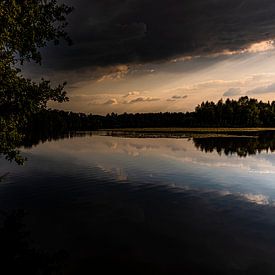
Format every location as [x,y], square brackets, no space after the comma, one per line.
[25,27]
[244,112]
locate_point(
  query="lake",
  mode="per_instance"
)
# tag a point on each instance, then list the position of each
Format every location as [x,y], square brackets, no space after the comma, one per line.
[149,205]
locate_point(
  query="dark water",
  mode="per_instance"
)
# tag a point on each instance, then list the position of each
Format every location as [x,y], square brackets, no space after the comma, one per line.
[149,205]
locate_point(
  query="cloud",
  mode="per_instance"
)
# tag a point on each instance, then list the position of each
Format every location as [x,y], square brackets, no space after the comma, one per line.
[133,93]
[111,101]
[139,31]
[218,83]
[256,198]
[262,46]
[115,73]
[176,97]
[142,99]
[257,47]
[262,90]
[233,92]
[179,97]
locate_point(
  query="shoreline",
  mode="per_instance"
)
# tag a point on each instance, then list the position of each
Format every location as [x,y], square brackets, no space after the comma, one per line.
[184,130]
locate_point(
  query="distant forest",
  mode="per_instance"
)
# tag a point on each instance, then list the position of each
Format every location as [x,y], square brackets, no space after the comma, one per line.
[244,112]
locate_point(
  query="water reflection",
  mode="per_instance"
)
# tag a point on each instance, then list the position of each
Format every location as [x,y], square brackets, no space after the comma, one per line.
[239,165]
[150,206]
[241,146]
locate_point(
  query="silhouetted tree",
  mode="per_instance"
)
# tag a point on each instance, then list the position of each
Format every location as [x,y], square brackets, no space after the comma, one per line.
[25,26]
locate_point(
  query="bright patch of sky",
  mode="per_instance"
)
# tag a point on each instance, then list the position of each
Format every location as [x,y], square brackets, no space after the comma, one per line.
[177,85]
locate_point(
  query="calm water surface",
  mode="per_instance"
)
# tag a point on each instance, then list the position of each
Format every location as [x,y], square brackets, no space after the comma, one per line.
[149,205]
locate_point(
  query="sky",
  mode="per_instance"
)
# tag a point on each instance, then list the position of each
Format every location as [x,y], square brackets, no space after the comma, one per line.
[159,55]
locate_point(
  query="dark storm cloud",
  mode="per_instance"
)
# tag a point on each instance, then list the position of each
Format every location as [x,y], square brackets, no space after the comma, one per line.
[108,32]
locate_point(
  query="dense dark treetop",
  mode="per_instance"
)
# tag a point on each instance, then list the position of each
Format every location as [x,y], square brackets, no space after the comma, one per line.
[244,112]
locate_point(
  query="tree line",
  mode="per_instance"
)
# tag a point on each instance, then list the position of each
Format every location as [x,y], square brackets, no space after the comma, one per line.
[244,112]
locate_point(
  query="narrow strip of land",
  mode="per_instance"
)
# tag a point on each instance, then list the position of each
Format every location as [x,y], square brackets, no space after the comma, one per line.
[193,130]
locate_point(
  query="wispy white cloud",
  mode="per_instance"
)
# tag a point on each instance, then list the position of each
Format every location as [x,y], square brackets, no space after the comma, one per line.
[258,47]
[132,93]
[142,99]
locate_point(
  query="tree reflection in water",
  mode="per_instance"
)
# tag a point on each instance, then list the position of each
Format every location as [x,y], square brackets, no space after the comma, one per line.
[242,146]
